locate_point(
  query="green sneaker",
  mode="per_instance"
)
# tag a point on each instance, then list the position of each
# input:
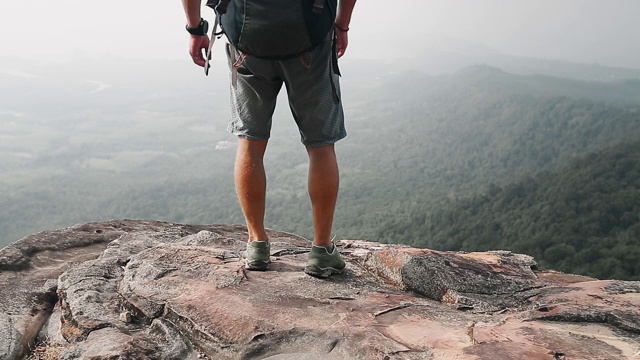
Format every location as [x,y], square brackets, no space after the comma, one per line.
[323,264]
[256,257]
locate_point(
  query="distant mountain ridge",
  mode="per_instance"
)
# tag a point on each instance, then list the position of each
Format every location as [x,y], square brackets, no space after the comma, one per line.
[518,131]
[622,92]
[451,57]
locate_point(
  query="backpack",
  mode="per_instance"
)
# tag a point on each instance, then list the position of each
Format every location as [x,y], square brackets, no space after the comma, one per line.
[274,29]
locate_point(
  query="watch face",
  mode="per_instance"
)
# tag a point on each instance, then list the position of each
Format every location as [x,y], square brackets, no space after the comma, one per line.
[205,27]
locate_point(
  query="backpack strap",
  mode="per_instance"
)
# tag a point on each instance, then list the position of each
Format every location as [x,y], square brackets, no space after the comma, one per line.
[318,6]
[220,7]
[214,35]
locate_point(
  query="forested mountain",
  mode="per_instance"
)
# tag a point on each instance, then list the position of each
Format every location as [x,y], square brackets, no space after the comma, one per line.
[453,145]
[583,218]
[467,133]
[480,159]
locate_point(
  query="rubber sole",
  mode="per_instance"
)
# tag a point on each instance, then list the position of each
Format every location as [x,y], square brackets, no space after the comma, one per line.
[256,265]
[322,273]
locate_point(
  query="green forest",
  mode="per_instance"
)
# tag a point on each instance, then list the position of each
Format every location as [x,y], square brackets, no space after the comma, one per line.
[478,160]
[581,219]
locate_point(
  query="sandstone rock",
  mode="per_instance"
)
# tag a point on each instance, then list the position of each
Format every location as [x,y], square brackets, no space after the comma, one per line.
[30,262]
[10,338]
[188,296]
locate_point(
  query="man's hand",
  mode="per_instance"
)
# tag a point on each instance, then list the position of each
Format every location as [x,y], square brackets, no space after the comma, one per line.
[342,41]
[343,18]
[198,46]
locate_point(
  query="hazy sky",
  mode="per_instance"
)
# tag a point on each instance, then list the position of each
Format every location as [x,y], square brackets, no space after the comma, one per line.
[590,31]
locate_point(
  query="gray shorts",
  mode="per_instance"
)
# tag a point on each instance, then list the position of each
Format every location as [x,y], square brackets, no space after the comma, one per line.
[313,91]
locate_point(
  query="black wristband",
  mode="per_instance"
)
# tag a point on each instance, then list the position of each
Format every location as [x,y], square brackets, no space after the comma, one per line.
[201,30]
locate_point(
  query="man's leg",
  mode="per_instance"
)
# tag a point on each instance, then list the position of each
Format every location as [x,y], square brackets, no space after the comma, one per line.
[324,259]
[323,191]
[251,185]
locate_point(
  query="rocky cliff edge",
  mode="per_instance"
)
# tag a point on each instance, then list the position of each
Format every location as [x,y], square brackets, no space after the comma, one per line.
[154,290]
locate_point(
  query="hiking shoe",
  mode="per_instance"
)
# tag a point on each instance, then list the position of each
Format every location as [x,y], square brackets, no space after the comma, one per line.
[256,257]
[323,264]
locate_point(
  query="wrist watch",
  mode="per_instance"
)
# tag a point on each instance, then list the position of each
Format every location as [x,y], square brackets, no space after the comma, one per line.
[201,30]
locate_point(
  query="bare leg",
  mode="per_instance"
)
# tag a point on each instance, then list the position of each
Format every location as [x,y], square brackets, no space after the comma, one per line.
[251,185]
[323,190]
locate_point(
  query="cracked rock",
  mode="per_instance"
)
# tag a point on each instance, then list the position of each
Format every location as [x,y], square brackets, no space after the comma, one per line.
[134,289]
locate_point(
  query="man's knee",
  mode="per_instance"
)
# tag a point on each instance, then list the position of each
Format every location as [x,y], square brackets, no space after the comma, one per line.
[321,151]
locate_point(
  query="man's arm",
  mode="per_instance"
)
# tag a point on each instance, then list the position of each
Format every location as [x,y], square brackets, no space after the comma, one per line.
[198,45]
[343,18]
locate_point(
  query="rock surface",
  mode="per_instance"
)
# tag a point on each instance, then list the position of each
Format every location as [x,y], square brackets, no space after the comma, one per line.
[154,290]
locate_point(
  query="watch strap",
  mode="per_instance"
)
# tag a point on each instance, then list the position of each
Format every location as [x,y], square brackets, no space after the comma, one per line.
[201,30]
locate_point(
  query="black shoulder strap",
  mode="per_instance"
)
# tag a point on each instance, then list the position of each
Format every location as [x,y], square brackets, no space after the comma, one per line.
[212,3]
[220,6]
[318,6]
